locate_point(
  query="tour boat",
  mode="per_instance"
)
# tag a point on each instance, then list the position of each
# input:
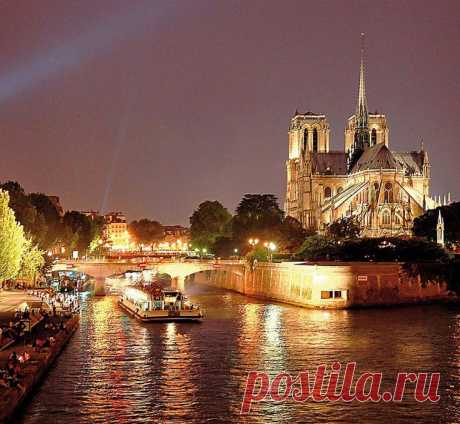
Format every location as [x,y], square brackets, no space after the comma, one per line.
[151,302]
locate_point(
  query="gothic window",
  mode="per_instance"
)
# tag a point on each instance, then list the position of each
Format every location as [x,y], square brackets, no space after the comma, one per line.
[339,190]
[386,218]
[305,140]
[388,196]
[373,137]
[315,140]
[397,220]
[327,192]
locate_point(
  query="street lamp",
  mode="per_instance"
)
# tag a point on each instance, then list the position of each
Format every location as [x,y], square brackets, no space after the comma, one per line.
[271,247]
[253,242]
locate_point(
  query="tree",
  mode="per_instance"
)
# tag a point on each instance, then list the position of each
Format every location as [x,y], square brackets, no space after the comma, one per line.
[50,215]
[78,231]
[11,240]
[425,225]
[317,247]
[257,254]
[146,231]
[209,222]
[32,260]
[25,212]
[292,235]
[344,228]
[224,247]
[257,215]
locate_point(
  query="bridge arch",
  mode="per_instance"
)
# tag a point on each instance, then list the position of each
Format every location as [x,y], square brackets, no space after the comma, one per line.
[177,270]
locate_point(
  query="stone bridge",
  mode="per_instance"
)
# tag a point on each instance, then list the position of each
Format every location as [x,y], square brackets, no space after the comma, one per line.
[178,270]
[329,285]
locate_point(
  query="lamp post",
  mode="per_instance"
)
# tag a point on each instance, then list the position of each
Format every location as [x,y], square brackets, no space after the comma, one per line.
[253,242]
[271,247]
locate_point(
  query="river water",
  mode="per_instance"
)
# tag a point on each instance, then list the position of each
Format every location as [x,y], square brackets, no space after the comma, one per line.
[116,369]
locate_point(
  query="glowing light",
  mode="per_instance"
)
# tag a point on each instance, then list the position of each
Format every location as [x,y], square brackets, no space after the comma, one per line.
[253,242]
[136,295]
[46,64]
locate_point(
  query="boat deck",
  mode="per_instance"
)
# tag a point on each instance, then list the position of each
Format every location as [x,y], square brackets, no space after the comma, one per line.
[160,315]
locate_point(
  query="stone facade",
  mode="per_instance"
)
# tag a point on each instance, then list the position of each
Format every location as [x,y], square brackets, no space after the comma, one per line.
[384,190]
[328,285]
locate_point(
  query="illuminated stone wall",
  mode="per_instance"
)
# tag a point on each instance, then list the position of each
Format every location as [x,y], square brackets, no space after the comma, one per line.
[340,285]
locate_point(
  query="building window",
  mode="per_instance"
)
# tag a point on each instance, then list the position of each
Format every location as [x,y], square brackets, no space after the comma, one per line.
[386,218]
[397,220]
[327,192]
[315,140]
[305,140]
[339,190]
[373,137]
[388,196]
[331,294]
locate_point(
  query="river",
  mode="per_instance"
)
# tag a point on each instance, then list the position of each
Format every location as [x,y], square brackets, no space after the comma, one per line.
[116,369]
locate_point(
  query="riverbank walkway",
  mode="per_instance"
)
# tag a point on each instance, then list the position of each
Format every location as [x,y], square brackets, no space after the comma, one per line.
[23,365]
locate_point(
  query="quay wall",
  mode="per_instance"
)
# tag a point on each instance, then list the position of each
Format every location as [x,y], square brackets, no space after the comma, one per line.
[34,372]
[334,285]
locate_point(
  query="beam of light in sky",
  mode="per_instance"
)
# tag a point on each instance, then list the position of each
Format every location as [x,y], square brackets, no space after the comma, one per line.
[73,52]
[97,40]
[118,142]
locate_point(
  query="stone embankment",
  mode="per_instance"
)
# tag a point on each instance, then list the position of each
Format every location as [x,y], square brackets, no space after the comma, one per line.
[333,285]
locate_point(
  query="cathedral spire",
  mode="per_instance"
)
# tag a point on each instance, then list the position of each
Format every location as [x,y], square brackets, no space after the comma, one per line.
[361,137]
[361,107]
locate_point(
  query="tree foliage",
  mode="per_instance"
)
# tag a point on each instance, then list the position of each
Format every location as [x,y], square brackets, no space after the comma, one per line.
[146,231]
[381,249]
[32,261]
[11,240]
[425,225]
[25,212]
[224,247]
[343,228]
[257,254]
[316,247]
[209,222]
[79,231]
[50,215]
[291,235]
[257,215]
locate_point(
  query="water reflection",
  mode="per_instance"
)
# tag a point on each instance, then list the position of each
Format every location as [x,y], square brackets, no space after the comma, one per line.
[116,369]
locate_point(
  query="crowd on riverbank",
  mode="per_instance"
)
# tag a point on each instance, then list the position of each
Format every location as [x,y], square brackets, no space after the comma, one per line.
[22,367]
[24,340]
[58,302]
[48,304]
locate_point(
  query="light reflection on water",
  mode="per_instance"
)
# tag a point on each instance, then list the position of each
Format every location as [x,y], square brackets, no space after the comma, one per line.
[116,369]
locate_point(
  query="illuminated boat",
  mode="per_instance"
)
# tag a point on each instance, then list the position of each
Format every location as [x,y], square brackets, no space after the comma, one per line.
[151,302]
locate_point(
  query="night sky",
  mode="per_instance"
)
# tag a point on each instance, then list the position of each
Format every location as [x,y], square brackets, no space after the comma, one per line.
[150,107]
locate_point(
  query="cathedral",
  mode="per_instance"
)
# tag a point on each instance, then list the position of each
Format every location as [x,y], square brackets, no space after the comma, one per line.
[384,190]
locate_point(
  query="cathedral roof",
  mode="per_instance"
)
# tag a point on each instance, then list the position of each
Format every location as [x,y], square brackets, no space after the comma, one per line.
[380,157]
[411,162]
[330,163]
[376,157]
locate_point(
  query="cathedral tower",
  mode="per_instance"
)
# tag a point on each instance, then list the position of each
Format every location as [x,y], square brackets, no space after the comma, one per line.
[364,129]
